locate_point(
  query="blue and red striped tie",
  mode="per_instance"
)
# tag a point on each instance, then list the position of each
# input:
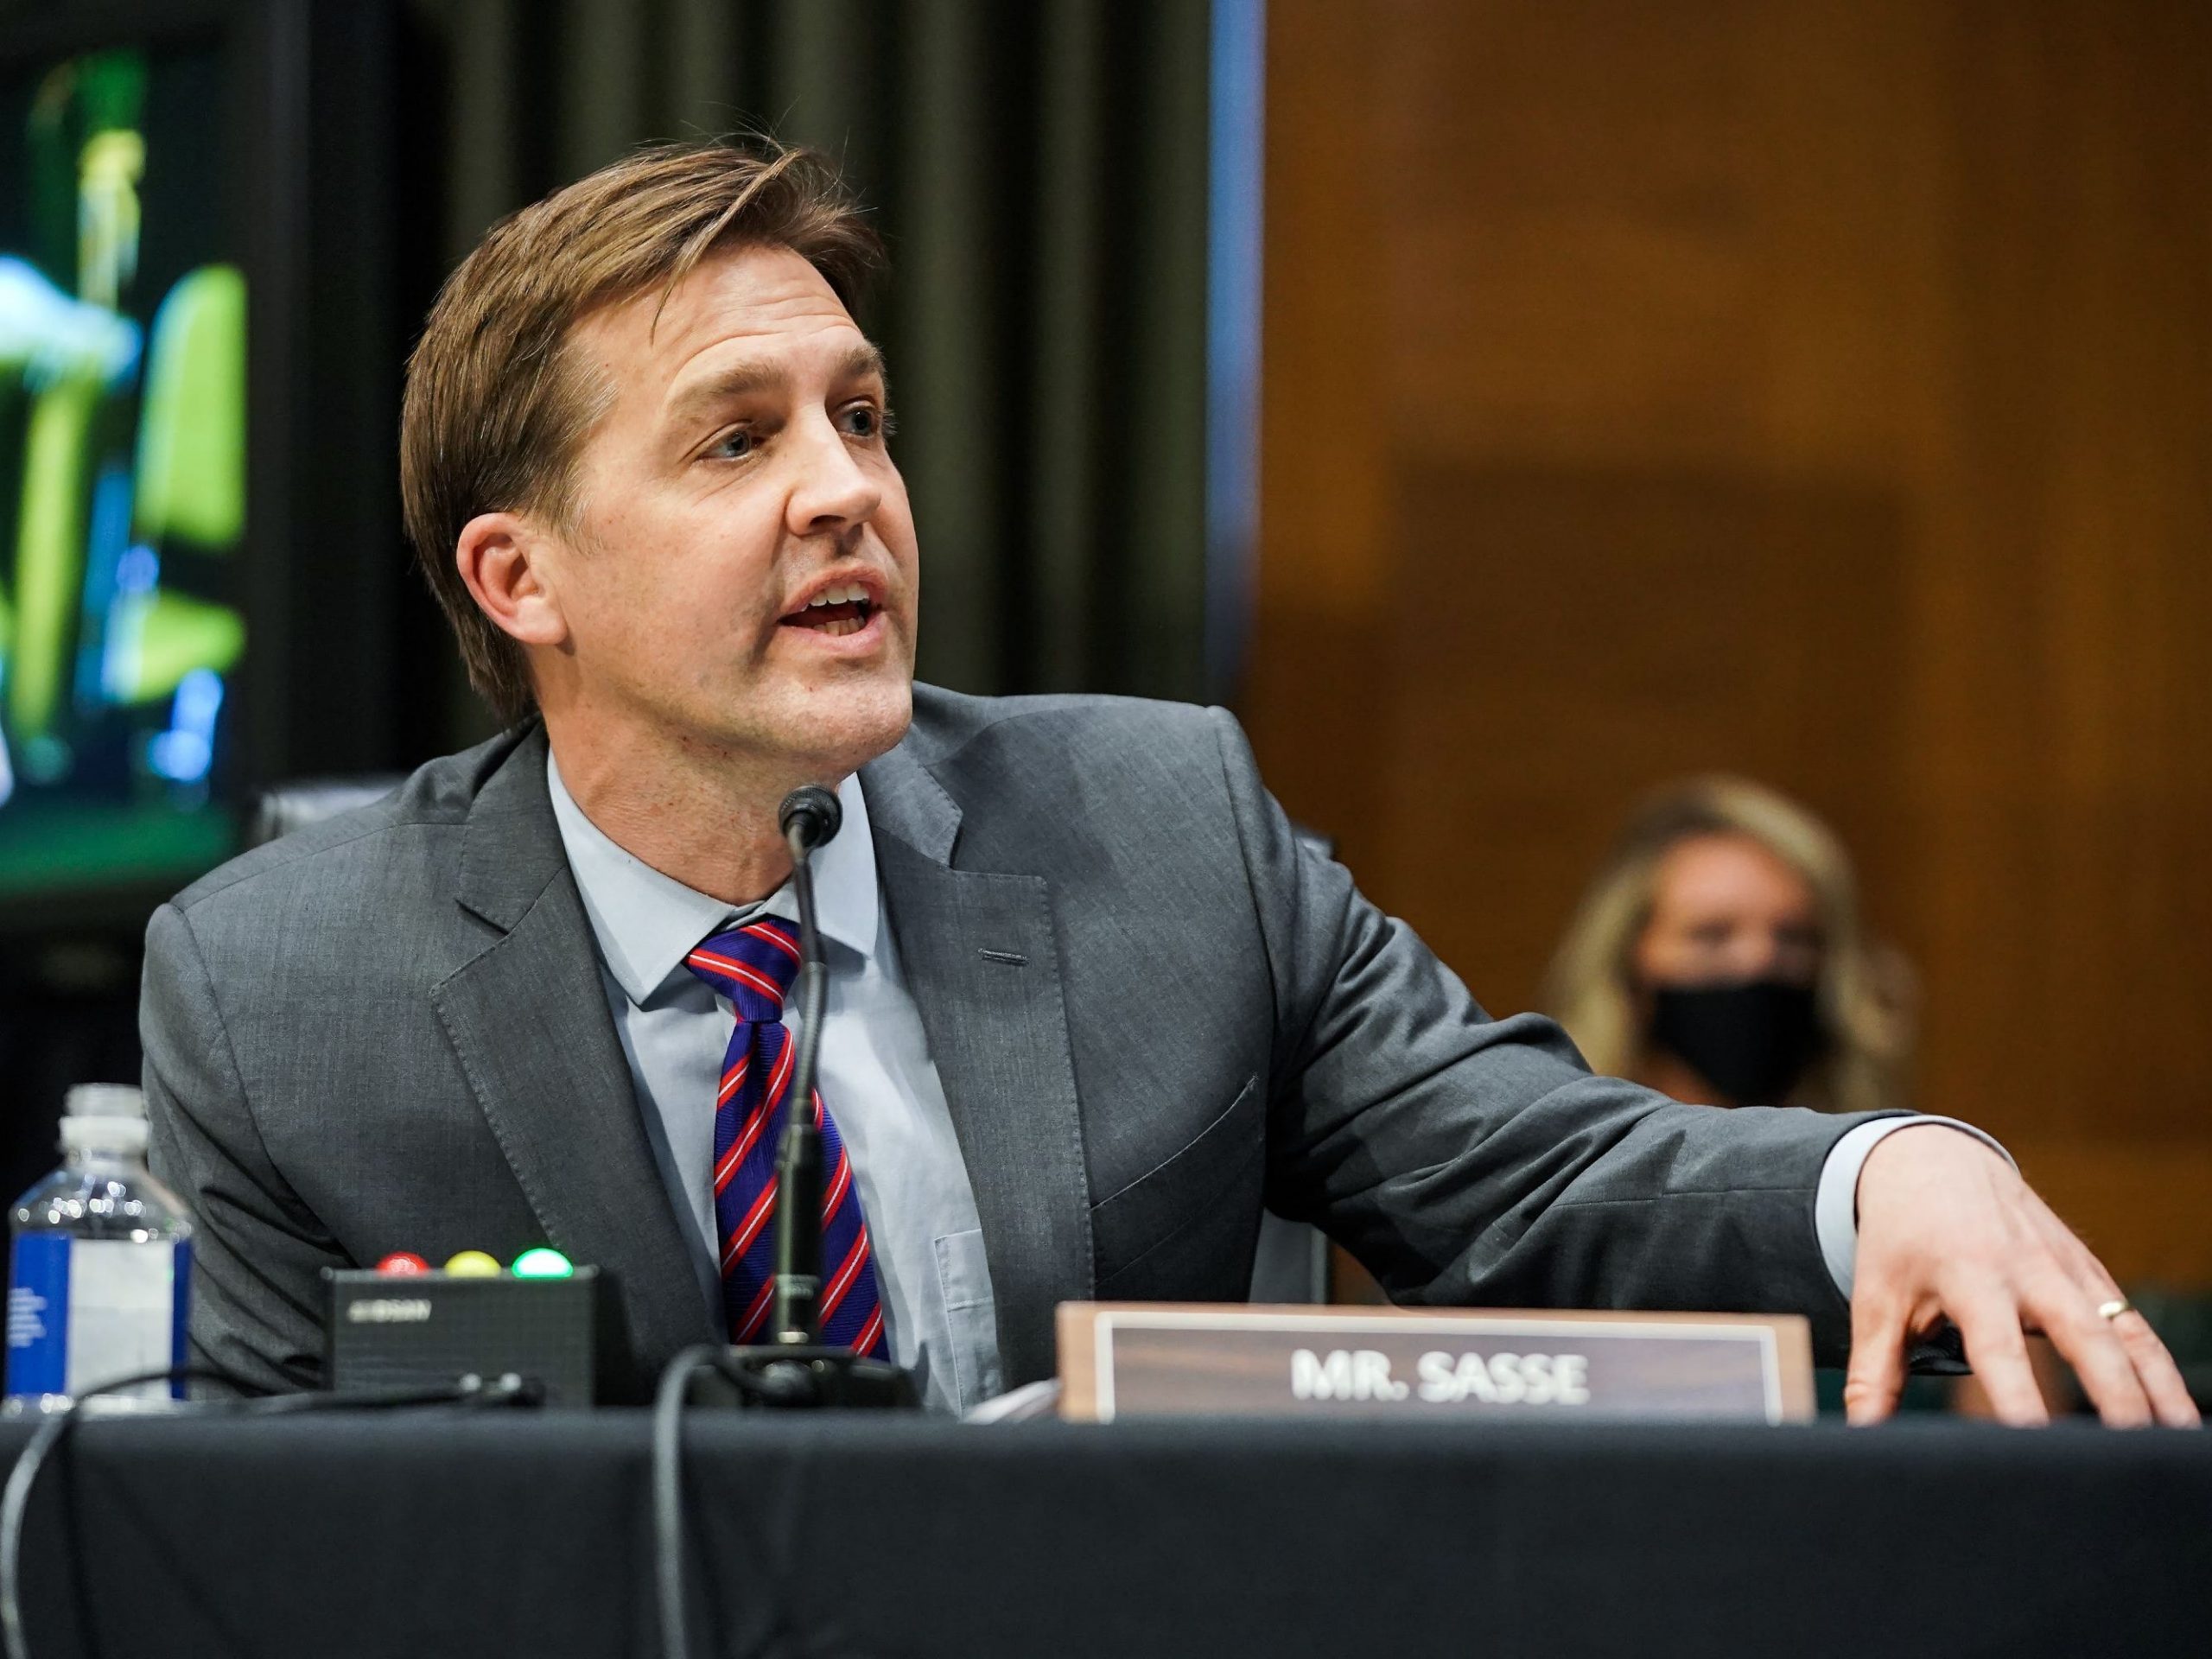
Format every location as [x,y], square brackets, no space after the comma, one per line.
[754,966]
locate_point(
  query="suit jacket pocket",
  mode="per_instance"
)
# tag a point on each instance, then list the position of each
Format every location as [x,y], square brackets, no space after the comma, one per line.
[1203,1199]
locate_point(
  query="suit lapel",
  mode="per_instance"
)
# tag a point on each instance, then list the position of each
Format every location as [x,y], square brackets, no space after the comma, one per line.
[529,1023]
[978,953]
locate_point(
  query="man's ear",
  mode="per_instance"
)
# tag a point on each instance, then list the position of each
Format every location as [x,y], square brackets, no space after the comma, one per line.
[506,560]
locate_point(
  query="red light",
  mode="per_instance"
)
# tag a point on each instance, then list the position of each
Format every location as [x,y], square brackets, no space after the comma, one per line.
[403,1263]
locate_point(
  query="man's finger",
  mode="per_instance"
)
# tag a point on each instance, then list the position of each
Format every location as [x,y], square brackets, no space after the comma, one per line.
[1876,1376]
[2090,1344]
[2155,1369]
[1988,1319]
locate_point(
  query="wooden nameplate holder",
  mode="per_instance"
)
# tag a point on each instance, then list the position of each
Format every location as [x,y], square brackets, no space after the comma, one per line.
[1154,1359]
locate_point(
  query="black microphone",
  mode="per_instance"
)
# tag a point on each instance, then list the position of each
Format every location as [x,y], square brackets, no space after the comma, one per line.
[808,818]
[816,813]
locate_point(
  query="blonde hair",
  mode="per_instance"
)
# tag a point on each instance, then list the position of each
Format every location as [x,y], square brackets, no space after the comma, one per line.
[1863,994]
[495,413]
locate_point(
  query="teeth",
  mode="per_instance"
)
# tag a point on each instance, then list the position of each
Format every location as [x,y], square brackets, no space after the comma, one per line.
[850,594]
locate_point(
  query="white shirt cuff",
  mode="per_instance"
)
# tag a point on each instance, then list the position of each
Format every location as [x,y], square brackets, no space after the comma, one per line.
[1835,1203]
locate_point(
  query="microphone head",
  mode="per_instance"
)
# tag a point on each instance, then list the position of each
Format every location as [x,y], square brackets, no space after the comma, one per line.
[814,811]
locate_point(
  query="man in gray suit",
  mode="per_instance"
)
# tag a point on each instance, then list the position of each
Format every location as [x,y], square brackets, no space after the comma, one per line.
[1092,1005]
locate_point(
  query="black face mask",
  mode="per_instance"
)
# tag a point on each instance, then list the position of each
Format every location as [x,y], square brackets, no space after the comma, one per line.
[1751,1041]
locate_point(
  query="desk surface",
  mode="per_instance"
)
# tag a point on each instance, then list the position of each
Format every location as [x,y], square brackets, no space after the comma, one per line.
[438,1534]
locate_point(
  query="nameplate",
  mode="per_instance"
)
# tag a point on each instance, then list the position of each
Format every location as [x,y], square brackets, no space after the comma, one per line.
[1148,1359]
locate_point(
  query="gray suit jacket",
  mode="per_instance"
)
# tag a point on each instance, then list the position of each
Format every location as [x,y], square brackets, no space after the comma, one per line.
[1153,1010]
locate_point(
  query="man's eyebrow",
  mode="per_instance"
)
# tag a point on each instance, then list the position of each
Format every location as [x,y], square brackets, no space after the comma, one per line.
[736,380]
[862,362]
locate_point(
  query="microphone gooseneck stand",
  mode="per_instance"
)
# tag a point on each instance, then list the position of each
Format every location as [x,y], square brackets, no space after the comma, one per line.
[793,1371]
[794,1368]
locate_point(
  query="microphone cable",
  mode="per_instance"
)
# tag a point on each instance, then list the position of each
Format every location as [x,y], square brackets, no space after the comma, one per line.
[670,1398]
[668,1497]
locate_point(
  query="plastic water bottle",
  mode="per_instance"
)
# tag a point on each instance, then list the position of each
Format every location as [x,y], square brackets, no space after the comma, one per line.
[100,1268]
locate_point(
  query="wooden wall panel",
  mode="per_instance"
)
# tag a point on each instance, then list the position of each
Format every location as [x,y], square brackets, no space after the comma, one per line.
[1821,391]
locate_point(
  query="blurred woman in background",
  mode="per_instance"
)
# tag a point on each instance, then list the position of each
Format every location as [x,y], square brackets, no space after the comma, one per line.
[1718,957]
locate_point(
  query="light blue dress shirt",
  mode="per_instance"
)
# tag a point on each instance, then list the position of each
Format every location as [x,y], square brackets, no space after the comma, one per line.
[876,1077]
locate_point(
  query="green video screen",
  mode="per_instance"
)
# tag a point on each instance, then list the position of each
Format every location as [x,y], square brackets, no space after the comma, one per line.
[122,471]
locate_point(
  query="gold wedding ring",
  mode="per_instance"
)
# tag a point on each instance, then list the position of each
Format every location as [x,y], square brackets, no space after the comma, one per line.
[2115,1309]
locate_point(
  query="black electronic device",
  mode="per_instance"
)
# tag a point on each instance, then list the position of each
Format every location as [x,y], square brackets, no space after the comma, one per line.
[385,1330]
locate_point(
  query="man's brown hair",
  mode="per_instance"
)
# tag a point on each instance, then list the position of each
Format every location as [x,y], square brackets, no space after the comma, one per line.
[496,413]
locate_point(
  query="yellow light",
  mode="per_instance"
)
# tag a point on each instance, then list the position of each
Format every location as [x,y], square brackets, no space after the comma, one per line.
[472,1264]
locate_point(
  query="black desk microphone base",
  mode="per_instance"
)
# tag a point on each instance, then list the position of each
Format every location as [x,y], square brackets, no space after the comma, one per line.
[800,1378]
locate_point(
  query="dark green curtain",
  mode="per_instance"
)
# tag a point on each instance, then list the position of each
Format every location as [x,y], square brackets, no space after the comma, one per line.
[1039,170]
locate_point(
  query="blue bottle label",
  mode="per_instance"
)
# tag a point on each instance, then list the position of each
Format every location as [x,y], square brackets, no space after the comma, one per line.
[38,1315]
[82,1312]
[179,1308]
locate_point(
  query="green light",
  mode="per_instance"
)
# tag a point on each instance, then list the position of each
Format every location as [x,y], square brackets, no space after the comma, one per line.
[542,1264]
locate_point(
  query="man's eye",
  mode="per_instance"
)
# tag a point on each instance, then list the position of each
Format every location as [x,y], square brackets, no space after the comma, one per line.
[866,420]
[732,446]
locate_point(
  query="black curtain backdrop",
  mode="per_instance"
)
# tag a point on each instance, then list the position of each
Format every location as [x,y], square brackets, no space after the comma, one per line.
[1039,170]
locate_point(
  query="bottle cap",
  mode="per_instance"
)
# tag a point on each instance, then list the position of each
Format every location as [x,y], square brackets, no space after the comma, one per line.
[123,1136]
[104,1100]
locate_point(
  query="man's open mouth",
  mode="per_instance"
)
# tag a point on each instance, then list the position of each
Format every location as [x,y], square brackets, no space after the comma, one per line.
[834,611]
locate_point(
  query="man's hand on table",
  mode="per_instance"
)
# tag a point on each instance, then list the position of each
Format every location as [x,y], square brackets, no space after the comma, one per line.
[1947,1227]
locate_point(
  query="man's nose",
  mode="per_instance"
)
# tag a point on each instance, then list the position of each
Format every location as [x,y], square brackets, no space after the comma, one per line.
[833,491]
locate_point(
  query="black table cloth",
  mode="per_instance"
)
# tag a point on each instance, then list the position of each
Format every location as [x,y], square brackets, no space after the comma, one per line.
[443,1533]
